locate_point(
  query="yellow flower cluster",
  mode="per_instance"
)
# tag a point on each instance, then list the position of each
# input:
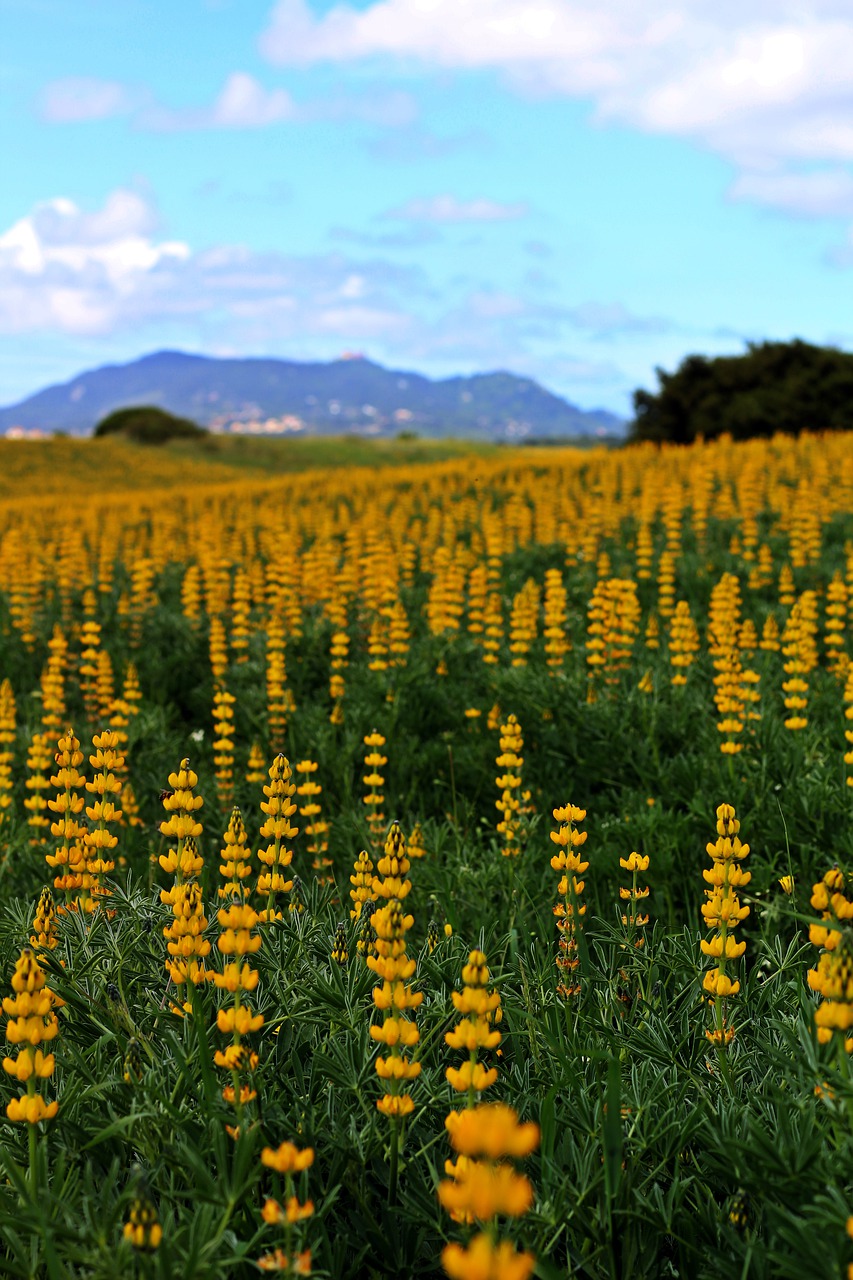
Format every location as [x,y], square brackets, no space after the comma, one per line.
[44,922]
[8,717]
[98,840]
[287,1161]
[182,805]
[394,998]
[340,947]
[67,859]
[374,781]
[723,912]
[236,865]
[509,783]
[523,622]
[570,910]
[279,809]
[634,920]
[557,644]
[476,1029]
[338,661]
[416,847]
[362,884]
[315,828]
[38,769]
[482,1185]
[393,867]
[236,941]
[831,898]
[142,1229]
[734,687]
[31,1022]
[613,620]
[848,732]
[223,744]
[683,642]
[799,649]
[186,943]
[832,978]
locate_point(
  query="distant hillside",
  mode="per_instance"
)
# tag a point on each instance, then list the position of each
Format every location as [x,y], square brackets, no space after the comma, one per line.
[272,396]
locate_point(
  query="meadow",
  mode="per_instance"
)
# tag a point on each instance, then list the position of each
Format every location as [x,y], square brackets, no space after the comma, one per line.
[436,863]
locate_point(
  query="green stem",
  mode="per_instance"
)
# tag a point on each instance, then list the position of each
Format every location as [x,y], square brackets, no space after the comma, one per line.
[453,787]
[203,1047]
[395,1159]
[33,1146]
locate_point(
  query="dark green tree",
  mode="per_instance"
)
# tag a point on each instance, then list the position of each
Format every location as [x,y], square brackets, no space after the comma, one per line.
[774,386]
[146,424]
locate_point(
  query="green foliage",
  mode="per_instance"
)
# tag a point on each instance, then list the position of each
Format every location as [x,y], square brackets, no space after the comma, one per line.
[774,387]
[146,424]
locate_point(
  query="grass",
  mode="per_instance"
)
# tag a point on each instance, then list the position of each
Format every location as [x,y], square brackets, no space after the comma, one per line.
[108,465]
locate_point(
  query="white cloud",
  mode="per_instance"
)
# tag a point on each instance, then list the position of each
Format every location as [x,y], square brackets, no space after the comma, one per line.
[241,103]
[449,33]
[74,99]
[413,144]
[446,208]
[74,272]
[64,269]
[493,328]
[605,319]
[767,78]
[415,236]
[820,193]
[245,104]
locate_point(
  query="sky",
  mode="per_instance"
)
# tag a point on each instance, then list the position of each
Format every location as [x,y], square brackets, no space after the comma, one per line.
[576,191]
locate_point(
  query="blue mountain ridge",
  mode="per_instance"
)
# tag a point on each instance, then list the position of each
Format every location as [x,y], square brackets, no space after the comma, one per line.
[351,394]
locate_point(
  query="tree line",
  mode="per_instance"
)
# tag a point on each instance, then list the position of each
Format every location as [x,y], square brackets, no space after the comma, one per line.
[773,387]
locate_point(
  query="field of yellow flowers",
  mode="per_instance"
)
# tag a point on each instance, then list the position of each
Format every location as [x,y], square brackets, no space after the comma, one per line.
[441,869]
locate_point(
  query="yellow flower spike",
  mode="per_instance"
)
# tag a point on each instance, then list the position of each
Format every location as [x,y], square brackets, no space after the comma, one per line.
[288,1158]
[511,805]
[238,940]
[236,865]
[614,618]
[393,867]
[482,1185]
[480,1011]
[723,912]
[142,1228]
[362,882]
[279,808]
[316,829]
[482,1258]
[395,998]
[44,922]
[634,919]
[181,804]
[30,1023]
[374,781]
[570,911]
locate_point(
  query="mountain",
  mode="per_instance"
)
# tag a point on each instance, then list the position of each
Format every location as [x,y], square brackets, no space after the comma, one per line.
[348,395]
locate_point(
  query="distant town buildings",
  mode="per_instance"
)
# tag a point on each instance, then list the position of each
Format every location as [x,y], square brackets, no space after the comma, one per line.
[26,433]
[286,424]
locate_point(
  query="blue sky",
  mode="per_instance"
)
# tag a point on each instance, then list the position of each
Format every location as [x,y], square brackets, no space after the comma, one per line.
[576,191]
